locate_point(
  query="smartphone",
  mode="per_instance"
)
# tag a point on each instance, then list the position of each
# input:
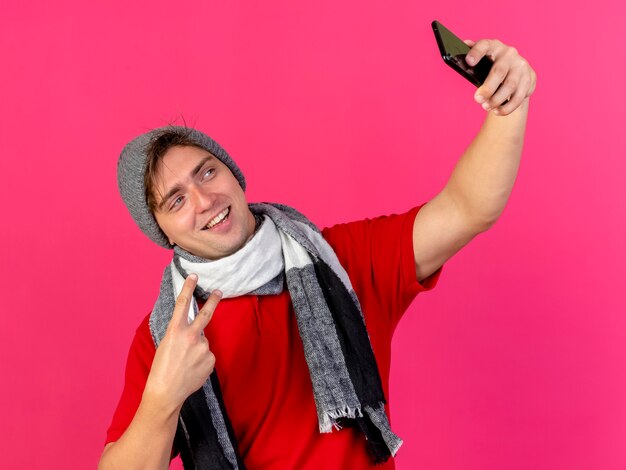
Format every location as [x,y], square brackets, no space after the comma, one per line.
[453,51]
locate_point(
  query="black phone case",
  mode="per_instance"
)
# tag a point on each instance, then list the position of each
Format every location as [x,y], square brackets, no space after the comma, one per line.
[453,52]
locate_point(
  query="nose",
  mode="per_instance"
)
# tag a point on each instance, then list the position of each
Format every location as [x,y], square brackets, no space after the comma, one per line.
[201,198]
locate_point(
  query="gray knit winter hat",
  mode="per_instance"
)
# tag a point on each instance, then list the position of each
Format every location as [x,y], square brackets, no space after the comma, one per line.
[131,168]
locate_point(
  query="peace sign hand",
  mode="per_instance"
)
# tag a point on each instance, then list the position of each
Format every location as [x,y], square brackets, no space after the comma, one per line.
[183,360]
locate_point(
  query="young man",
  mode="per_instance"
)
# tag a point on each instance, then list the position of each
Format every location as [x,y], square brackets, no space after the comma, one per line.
[294,357]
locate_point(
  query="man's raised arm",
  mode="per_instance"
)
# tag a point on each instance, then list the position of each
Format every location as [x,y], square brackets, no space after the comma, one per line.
[481,182]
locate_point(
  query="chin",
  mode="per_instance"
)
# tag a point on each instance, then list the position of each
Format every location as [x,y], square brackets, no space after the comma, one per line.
[227,249]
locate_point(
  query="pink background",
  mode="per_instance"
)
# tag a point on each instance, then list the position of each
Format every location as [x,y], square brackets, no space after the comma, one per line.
[345,110]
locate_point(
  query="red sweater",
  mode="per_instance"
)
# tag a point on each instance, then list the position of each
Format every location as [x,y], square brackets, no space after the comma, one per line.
[263,374]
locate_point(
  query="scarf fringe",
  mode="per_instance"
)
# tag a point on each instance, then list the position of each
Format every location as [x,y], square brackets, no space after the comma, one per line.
[328,420]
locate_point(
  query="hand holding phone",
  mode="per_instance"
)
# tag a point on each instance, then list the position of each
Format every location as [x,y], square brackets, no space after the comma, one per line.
[505,79]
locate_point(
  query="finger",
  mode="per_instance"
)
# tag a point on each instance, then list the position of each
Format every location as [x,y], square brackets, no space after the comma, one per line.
[505,91]
[491,48]
[516,99]
[181,307]
[496,76]
[469,42]
[206,312]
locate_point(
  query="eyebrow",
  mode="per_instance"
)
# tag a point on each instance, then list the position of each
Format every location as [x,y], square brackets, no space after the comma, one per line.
[178,187]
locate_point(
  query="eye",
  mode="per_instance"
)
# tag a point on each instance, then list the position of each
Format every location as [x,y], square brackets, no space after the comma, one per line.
[176,202]
[207,173]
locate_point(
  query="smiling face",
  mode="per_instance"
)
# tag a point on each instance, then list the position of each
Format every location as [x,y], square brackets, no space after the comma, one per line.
[200,205]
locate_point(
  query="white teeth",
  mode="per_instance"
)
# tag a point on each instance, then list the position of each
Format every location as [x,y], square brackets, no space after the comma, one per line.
[218,218]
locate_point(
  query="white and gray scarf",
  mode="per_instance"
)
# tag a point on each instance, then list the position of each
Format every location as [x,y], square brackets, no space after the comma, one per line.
[346,383]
